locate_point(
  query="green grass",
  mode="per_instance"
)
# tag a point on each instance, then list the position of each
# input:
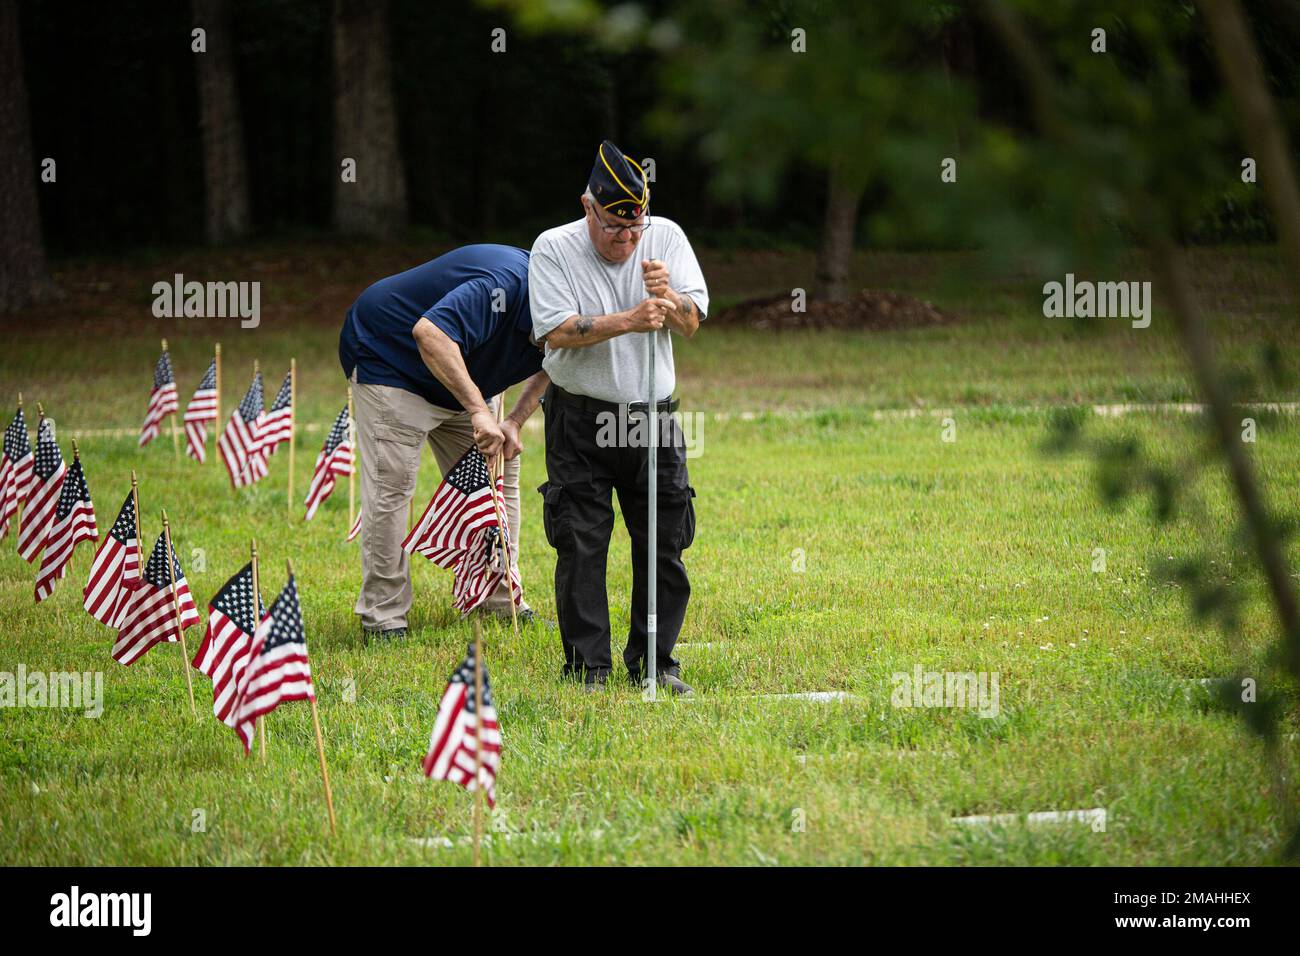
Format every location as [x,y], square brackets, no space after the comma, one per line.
[970,555]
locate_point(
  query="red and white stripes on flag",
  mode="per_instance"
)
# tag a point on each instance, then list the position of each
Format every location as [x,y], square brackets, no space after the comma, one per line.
[16,470]
[460,529]
[201,410]
[74,522]
[335,459]
[163,399]
[277,424]
[47,483]
[228,641]
[115,572]
[241,437]
[278,671]
[356,527]
[480,569]
[150,615]
[460,507]
[457,734]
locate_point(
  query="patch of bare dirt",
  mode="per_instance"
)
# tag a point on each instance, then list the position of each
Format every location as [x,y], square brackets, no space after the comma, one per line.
[868,309]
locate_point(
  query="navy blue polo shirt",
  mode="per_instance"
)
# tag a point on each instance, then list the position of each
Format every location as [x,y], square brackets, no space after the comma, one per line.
[455,292]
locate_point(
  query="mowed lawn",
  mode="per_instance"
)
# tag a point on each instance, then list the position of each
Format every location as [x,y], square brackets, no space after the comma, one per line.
[836,547]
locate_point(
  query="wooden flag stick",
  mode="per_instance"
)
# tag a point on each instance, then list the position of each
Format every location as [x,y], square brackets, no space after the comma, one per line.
[352,475]
[135,506]
[18,515]
[176,605]
[40,417]
[293,412]
[257,619]
[216,422]
[498,466]
[478,739]
[176,438]
[320,743]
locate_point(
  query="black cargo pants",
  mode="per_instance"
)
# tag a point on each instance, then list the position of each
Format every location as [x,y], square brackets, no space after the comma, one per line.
[588,455]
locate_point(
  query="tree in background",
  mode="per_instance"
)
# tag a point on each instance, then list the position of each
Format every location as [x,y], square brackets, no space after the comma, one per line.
[24,277]
[225,166]
[365,123]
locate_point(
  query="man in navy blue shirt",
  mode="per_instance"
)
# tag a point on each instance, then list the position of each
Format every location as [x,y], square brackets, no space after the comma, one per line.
[429,353]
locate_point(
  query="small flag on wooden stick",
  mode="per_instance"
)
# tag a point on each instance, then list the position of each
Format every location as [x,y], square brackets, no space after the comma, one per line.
[73,522]
[335,459]
[465,746]
[115,572]
[201,410]
[43,498]
[228,641]
[163,399]
[16,469]
[150,616]
[242,436]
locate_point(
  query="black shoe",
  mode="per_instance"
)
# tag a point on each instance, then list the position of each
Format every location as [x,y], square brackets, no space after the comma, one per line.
[594,684]
[669,679]
[390,634]
[678,687]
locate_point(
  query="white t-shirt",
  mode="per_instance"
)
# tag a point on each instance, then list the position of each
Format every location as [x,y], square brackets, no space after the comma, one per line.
[566,276]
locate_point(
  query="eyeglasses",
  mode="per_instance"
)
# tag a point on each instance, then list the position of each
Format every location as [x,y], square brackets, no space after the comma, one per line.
[636,228]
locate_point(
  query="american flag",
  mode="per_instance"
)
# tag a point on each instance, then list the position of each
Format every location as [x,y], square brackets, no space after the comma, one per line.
[150,615]
[278,670]
[162,400]
[335,459]
[201,410]
[15,470]
[115,572]
[47,483]
[456,734]
[277,424]
[74,522]
[228,641]
[356,527]
[461,506]
[240,439]
[481,568]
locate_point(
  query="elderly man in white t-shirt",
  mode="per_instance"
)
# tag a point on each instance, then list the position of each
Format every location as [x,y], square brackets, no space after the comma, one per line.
[597,287]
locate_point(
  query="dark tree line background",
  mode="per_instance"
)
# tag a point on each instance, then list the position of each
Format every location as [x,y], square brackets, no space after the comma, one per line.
[157,145]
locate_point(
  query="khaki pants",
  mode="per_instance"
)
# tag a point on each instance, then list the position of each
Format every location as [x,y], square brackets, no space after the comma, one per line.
[392,424]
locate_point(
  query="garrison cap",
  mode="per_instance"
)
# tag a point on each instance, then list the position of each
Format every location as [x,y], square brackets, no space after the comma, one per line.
[618,183]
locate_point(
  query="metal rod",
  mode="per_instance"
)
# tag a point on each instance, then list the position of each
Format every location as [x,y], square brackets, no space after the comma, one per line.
[652,532]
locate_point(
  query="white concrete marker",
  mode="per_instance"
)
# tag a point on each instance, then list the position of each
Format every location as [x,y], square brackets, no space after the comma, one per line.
[1095,818]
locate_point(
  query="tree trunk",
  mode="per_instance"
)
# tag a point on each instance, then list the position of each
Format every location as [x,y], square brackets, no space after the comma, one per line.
[1261,128]
[24,276]
[225,167]
[365,123]
[838,226]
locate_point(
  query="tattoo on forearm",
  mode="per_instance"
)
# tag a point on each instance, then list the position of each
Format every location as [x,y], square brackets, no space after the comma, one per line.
[584,324]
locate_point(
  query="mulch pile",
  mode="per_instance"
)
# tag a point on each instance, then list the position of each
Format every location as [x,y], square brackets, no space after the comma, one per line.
[869,309]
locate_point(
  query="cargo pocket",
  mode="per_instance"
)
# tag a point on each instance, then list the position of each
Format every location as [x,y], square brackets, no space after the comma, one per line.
[686,529]
[555,517]
[397,456]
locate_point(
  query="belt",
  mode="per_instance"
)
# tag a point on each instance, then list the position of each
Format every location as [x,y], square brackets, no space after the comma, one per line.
[589,404]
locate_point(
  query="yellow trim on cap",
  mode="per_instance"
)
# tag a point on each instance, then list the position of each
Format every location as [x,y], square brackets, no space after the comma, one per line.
[645,188]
